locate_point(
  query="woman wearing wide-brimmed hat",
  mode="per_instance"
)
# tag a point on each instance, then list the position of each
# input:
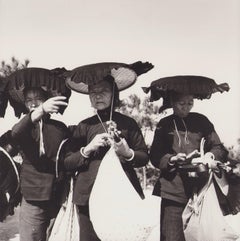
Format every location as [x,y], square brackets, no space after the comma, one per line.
[38,93]
[94,135]
[177,140]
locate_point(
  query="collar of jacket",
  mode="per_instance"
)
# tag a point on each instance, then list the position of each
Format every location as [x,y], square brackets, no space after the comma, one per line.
[105,114]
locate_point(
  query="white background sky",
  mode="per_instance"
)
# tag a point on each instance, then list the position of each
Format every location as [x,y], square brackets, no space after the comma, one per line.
[199,37]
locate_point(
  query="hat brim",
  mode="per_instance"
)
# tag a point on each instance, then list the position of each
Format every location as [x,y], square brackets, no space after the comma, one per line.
[52,81]
[199,86]
[80,78]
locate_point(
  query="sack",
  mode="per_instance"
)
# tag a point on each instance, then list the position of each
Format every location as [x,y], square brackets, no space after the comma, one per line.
[203,218]
[116,210]
[66,226]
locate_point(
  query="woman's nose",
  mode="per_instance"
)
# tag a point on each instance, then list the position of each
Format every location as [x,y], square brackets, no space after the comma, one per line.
[33,105]
[98,95]
[186,109]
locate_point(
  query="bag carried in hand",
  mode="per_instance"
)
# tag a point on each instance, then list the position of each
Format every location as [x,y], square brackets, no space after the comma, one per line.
[116,210]
[66,226]
[203,218]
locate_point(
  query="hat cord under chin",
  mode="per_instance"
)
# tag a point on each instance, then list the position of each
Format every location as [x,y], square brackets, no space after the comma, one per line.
[111,111]
[186,133]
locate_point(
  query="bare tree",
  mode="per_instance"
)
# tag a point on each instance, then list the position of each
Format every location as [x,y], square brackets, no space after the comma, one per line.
[147,116]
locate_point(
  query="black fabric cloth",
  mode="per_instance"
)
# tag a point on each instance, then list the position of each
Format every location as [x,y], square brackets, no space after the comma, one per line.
[38,181]
[88,167]
[86,228]
[168,142]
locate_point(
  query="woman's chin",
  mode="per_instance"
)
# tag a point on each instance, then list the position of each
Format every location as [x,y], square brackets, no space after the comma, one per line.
[101,107]
[183,115]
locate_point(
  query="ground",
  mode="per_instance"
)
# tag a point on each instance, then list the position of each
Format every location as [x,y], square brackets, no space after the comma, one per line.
[9,229]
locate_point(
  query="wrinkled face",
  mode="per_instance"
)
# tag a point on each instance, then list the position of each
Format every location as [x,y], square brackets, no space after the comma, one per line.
[100,95]
[182,105]
[33,98]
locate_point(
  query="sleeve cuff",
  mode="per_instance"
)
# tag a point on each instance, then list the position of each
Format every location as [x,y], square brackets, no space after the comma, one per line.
[171,166]
[131,158]
[82,152]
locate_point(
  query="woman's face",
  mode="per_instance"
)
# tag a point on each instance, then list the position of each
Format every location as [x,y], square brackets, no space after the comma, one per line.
[33,99]
[182,105]
[100,95]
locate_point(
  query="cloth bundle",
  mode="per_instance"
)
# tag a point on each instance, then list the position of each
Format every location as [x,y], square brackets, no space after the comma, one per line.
[66,226]
[203,218]
[116,210]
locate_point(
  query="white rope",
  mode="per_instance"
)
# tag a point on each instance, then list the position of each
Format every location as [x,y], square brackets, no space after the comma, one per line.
[41,144]
[111,111]
[186,132]
[202,143]
[112,101]
[179,138]
[101,123]
[58,155]
[186,140]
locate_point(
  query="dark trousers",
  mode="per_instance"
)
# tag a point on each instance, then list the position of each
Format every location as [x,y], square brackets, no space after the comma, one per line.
[87,232]
[171,225]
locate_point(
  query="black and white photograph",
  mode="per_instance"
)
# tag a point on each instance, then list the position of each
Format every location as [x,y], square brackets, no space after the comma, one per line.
[119,120]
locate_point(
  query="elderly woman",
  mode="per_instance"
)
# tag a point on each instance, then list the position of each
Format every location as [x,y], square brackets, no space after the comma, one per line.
[176,137]
[93,137]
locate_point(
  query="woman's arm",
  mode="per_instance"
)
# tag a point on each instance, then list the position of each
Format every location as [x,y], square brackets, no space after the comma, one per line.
[73,160]
[137,144]
[22,129]
[213,143]
[215,146]
[160,151]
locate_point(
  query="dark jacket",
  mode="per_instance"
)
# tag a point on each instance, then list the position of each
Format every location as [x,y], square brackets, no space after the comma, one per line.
[37,179]
[166,143]
[88,167]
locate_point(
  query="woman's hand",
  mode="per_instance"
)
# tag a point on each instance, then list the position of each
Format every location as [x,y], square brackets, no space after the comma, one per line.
[53,104]
[122,149]
[209,159]
[50,106]
[193,154]
[98,141]
[179,157]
